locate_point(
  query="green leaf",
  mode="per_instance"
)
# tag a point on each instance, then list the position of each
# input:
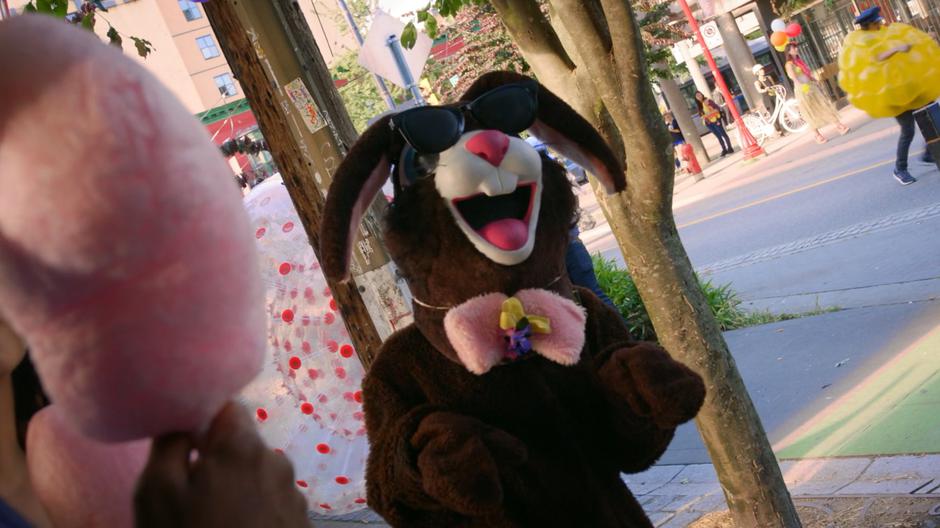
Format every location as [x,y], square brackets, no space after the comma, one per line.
[114,38]
[409,36]
[422,15]
[430,26]
[144,47]
[88,21]
[60,8]
[30,8]
[44,6]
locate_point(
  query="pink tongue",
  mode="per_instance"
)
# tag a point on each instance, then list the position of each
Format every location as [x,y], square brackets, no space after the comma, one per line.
[507,234]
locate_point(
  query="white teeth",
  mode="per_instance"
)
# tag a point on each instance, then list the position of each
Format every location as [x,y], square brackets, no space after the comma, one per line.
[499,182]
[461,174]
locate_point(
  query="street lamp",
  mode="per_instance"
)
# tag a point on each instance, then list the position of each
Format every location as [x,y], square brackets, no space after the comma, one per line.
[751,148]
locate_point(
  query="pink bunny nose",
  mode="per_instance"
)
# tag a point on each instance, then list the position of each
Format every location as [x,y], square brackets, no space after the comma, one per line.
[490,145]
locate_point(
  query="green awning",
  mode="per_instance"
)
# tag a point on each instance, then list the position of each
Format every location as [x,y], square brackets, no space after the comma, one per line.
[221,112]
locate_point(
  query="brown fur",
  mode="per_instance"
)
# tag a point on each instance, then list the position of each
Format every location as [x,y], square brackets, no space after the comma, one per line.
[531,443]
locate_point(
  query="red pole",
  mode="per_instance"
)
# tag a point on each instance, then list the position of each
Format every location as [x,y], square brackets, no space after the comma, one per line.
[751,148]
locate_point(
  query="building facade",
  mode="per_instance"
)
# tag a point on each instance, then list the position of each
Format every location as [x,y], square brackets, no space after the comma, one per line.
[188,60]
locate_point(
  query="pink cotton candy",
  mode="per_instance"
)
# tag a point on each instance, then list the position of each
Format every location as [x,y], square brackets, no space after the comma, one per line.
[80,482]
[127,260]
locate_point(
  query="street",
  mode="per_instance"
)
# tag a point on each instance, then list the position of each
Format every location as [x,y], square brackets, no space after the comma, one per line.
[819,226]
[812,193]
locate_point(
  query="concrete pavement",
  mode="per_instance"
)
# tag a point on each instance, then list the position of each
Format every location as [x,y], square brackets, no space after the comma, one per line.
[674,496]
[853,382]
[819,226]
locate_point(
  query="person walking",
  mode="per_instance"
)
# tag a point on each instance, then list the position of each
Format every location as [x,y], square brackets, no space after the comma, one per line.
[815,106]
[711,117]
[861,51]
[677,138]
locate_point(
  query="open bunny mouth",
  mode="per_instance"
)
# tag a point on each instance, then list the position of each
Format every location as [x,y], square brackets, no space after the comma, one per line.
[501,220]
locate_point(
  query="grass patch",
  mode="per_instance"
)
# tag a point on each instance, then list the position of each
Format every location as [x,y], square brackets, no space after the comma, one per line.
[724,302]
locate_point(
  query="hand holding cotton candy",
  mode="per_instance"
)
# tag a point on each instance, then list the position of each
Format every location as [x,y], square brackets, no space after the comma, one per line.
[127,260]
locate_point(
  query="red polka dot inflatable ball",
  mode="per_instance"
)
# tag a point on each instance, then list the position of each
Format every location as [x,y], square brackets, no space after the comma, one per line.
[307,399]
[127,259]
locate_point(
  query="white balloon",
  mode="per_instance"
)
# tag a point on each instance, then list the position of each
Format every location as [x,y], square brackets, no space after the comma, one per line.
[778,25]
[307,400]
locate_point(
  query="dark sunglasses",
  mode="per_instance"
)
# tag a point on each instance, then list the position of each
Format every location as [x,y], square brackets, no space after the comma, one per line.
[433,129]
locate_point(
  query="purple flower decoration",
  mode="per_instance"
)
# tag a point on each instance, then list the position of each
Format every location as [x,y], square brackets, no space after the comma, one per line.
[517,340]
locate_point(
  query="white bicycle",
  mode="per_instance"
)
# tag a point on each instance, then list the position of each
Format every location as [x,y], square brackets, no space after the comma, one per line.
[786,112]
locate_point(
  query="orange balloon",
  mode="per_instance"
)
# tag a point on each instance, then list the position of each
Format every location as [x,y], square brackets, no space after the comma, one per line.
[779,38]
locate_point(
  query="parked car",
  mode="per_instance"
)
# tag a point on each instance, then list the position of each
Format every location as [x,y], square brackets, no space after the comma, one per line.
[575,171]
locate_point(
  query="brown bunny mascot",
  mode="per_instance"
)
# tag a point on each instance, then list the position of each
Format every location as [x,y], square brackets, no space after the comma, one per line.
[514,399]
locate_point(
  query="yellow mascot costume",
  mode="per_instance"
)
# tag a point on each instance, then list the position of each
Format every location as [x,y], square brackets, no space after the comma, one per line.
[887,87]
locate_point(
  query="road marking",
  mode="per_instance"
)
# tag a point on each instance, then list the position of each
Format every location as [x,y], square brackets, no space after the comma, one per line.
[823,239]
[891,411]
[785,194]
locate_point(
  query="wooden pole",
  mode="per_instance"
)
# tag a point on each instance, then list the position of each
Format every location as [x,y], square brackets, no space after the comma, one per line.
[302,118]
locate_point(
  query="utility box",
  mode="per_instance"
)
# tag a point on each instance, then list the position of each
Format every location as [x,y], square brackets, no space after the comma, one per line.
[928,119]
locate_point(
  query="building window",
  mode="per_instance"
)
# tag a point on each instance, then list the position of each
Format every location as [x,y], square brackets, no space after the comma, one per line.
[207,47]
[190,10]
[225,84]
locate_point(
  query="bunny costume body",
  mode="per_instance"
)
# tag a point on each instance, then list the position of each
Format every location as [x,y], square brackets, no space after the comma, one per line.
[515,399]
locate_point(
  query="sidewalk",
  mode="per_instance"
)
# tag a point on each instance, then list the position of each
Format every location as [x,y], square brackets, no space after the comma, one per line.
[675,496]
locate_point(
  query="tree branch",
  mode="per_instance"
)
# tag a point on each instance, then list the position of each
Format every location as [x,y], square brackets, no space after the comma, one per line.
[578,21]
[639,105]
[533,33]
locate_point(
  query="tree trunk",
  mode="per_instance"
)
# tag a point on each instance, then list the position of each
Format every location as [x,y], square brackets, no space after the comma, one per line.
[764,11]
[316,73]
[265,63]
[740,58]
[551,58]
[680,109]
[694,69]
[641,219]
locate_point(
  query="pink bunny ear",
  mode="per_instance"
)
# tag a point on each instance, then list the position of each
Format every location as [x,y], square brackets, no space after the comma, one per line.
[81,482]
[356,183]
[473,330]
[563,129]
[127,259]
[564,343]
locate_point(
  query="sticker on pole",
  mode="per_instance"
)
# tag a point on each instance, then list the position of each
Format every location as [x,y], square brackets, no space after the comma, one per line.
[711,35]
[304,104]
[376,56]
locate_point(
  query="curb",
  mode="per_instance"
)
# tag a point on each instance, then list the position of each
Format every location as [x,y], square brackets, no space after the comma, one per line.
[674,496]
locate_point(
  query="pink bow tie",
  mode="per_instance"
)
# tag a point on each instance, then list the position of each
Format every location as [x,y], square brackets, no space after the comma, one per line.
[473,329]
